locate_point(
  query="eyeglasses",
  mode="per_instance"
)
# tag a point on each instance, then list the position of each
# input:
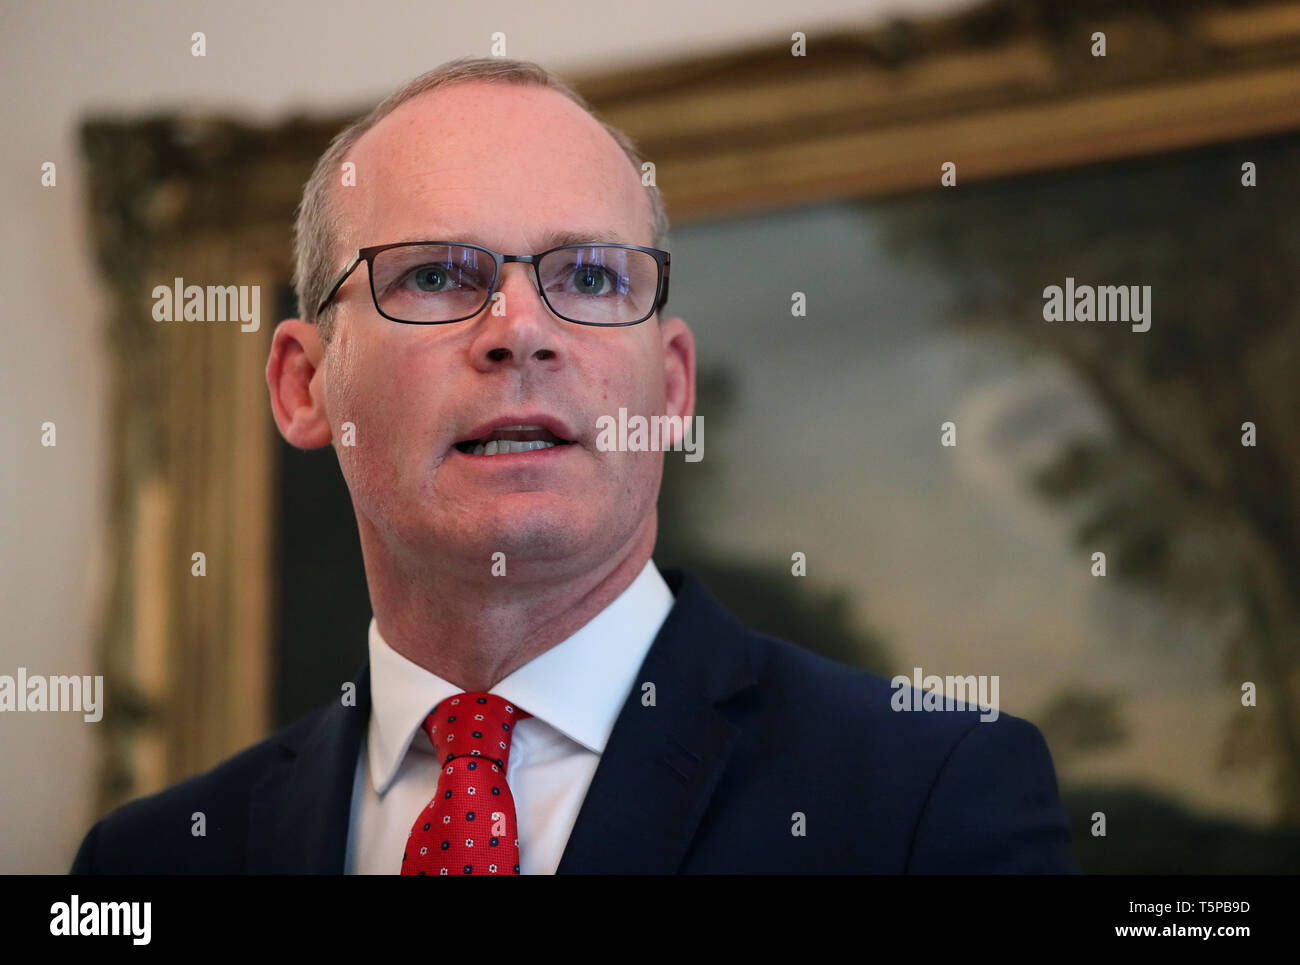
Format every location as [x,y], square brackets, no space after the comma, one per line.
[436,282]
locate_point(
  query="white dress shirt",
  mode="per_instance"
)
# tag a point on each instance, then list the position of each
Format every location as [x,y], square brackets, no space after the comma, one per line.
[574,691]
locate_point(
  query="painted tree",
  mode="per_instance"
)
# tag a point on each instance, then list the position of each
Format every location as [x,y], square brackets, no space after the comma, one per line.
[1186,509]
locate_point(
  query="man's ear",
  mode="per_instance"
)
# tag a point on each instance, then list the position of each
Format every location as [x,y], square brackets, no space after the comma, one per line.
[679,368]
[296,377]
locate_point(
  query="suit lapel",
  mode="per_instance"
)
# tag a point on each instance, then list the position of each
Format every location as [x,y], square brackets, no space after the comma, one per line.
[662,762]
[299,815]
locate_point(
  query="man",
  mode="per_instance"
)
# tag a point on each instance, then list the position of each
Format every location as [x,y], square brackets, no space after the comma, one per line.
[538,697]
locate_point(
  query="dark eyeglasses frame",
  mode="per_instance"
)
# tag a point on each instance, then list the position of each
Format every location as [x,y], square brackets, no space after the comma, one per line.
[662,259]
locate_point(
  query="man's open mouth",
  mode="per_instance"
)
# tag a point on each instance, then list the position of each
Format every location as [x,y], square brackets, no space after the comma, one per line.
[512,439]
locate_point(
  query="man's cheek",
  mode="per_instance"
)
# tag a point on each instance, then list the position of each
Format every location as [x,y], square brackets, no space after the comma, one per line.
[628,468]
[375,460]
[368,405]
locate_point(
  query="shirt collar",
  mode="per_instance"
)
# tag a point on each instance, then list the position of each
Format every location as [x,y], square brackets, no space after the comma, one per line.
[578,686]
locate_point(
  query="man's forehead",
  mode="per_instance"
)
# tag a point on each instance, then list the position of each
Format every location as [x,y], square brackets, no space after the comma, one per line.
[453,161]
[545,239]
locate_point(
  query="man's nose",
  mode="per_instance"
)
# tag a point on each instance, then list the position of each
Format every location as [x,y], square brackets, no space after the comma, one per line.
[519,325]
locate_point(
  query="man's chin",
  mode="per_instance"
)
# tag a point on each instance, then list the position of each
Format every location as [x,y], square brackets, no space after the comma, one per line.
[523,528]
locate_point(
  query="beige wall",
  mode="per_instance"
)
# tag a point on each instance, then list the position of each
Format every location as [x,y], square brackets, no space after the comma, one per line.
[63,60]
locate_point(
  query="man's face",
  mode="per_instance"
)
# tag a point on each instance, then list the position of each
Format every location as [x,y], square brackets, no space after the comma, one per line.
[508,167]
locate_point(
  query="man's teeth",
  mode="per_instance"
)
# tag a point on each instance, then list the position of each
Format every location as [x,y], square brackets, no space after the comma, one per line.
[501,447]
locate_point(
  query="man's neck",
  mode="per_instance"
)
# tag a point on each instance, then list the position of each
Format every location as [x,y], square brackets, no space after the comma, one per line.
[474,633]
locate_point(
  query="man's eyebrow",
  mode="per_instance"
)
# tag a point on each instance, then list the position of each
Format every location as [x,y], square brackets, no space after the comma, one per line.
[558,239]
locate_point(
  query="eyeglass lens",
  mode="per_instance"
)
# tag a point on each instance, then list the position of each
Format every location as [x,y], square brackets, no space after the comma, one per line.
[596,284]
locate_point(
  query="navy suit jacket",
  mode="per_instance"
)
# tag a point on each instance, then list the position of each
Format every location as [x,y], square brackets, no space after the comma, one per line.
[746,733]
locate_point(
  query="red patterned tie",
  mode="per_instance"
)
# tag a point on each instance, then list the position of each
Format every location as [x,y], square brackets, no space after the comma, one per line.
[469,826]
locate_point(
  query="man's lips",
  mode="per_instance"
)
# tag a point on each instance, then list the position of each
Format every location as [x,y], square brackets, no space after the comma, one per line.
[516,434]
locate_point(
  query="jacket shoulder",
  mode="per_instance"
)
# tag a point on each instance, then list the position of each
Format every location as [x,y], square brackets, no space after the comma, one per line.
[865,714]
[970,790]
[859,698]
[199,825]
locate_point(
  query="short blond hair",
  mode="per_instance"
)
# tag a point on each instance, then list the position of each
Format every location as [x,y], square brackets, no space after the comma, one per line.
[318,224]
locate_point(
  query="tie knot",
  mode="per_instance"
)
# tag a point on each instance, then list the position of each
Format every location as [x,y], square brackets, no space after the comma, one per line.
[473,725]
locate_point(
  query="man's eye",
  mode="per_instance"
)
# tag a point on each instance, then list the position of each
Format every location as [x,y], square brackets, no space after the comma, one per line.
[591,280]
[430,278]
